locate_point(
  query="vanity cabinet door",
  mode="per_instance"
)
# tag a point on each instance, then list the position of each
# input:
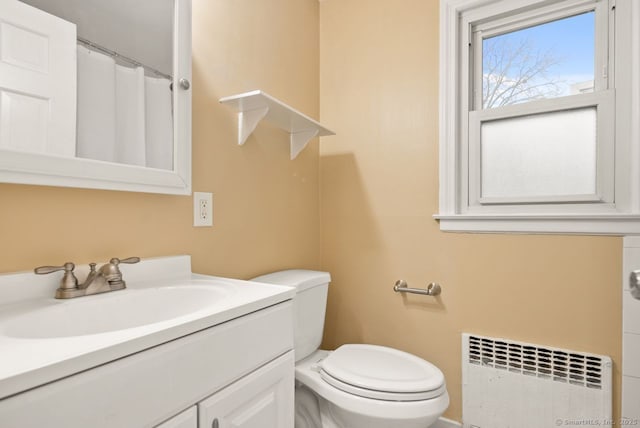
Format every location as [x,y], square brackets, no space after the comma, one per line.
[262,399]
[186,419]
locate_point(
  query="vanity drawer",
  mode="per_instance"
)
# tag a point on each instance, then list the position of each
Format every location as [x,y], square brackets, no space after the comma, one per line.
[148,387]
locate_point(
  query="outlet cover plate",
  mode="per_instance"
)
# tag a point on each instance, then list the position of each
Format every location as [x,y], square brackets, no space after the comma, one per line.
[202,209]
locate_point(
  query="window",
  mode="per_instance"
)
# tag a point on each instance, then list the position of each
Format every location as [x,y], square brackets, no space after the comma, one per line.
[534,137]
[532,124]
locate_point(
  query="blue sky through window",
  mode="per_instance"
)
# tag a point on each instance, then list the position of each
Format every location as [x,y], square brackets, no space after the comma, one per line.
[544,61]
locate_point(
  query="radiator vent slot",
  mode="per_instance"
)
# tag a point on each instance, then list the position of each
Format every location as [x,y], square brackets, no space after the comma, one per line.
[556,365]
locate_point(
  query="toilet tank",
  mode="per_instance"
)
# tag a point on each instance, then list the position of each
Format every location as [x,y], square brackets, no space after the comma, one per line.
[309,305]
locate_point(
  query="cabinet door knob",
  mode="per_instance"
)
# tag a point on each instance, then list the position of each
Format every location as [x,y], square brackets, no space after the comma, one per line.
[215,423]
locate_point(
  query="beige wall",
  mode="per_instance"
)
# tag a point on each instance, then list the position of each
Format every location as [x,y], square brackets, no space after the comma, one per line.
[379,188]
[266,213]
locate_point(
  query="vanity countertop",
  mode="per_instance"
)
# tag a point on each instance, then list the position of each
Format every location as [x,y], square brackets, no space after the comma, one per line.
[163,301]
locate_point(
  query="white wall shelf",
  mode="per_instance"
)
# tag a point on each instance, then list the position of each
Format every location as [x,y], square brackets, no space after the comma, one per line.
[254,106]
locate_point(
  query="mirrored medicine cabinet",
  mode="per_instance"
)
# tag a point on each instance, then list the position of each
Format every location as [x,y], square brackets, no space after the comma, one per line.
[96,94]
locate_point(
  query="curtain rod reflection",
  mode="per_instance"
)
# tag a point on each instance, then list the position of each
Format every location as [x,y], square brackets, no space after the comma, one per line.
[116,55]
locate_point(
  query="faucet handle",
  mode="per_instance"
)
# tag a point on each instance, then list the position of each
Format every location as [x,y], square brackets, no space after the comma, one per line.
[68,281]
[43,270]
[129,260]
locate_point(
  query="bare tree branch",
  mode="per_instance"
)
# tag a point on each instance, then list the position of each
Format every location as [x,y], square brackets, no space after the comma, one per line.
[515,73]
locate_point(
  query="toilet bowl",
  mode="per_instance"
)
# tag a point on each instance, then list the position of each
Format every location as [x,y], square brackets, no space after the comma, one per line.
[357,385]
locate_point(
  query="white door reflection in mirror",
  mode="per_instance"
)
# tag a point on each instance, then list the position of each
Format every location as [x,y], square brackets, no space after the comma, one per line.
[37,81]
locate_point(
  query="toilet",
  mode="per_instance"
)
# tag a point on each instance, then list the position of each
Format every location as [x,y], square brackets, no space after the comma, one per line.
[357,385]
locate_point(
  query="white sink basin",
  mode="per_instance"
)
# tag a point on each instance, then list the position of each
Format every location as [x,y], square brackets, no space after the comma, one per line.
[115,311]
[43,339]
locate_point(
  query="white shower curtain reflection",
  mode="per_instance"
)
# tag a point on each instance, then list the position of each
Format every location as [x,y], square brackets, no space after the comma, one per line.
[96,133]
[123,116]
[159,122]
[130,121]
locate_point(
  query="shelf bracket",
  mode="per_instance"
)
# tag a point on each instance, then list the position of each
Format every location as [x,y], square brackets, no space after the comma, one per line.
[254,106]
[299,141]
[247,122]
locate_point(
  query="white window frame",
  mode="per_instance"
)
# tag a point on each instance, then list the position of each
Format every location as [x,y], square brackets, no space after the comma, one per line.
[604,196]
[602,99]
[615,208]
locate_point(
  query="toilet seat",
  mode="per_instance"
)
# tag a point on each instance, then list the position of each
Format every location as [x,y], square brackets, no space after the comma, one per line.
[396,413]
[382,373]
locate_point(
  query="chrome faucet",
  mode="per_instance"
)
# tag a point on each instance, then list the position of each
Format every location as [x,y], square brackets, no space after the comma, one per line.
[107,278]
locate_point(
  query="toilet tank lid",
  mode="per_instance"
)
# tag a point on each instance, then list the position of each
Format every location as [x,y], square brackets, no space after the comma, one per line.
[300,278]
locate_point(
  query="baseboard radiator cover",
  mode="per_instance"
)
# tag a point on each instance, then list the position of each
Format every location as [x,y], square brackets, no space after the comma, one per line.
[510,384]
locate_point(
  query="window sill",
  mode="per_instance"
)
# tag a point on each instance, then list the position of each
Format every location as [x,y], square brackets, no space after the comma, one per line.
[614,224]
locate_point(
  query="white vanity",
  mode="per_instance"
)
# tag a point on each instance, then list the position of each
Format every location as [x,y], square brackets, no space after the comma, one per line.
[173,349]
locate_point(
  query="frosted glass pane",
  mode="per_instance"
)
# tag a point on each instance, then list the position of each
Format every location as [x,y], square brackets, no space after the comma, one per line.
[551,154]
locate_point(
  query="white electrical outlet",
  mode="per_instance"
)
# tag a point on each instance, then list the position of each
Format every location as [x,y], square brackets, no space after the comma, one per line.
[202,209]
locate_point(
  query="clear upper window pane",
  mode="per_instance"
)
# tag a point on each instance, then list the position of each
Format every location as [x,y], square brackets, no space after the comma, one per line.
[549,60]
